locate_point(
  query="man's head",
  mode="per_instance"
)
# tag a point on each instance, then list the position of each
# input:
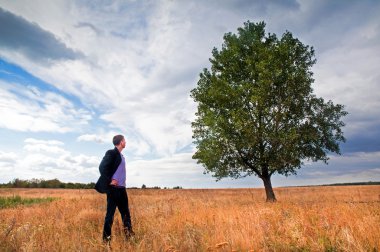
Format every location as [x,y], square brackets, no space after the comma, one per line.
[119,141]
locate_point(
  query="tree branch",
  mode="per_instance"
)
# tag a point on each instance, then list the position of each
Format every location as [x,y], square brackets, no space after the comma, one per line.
[245,160]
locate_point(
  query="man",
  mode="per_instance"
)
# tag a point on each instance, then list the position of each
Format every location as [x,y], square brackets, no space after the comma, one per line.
[112,182]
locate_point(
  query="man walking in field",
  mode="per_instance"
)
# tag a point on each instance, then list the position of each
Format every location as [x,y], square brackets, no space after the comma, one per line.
[112,181]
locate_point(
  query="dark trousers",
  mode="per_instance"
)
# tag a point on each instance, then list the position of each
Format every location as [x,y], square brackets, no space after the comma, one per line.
[117,197]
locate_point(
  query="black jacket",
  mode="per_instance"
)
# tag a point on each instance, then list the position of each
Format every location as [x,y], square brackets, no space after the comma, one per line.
[107,168]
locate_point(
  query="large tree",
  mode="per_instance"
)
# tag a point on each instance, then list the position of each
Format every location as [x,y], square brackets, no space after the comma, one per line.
[257,113]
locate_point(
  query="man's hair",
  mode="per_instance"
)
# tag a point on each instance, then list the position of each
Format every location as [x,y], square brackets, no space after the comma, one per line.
[117,139]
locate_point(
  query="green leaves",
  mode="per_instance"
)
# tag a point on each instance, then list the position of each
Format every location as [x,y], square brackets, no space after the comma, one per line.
[256,111]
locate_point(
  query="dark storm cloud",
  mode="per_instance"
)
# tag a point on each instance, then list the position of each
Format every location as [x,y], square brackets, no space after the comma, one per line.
[16,33]
[362,143]
[362,129]
[344,165]
[366,139]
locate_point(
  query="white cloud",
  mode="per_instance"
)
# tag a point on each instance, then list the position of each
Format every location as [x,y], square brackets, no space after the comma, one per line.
[175,170]
[29,110]
[46,159]
[134,144]
[45,142]
[90,138]
[79,162]
[137,147]
[7,156]
[43,148]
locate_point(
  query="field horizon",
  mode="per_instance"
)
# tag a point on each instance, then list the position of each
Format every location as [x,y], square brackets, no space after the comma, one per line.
[56,183]
[314,218]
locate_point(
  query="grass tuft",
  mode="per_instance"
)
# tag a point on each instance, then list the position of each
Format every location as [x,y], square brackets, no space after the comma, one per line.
[8,202]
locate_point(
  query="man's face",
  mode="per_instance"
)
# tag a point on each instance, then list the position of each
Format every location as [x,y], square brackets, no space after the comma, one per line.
[122,143]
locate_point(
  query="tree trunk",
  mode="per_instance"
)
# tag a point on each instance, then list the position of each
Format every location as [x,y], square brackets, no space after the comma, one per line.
[268,189]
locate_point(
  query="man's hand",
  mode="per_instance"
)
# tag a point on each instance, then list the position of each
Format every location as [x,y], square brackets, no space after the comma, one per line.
[114,182]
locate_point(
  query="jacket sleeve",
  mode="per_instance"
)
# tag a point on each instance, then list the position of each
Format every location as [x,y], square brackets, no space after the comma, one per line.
[105,167]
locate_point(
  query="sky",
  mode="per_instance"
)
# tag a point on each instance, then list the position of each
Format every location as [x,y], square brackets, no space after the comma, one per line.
[75,73]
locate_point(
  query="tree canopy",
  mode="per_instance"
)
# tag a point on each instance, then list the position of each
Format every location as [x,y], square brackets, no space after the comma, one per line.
[257,114]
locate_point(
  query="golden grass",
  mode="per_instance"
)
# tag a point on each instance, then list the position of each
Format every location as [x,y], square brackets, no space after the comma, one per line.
[304,219]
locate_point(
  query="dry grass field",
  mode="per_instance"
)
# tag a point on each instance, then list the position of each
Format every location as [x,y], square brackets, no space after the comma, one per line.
[343,218]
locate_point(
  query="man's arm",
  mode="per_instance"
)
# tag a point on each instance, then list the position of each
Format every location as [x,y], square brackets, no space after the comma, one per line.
[106,164]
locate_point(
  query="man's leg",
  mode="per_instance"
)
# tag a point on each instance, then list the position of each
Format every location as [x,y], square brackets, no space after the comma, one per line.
[111,207]
[124,211]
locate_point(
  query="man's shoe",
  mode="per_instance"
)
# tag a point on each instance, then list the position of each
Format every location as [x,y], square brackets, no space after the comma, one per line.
[107,240]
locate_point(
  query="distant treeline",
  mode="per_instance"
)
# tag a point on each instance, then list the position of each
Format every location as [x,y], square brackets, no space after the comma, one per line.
[41,183]
[156,187]
[55,183]
[343,184]
[355,183]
